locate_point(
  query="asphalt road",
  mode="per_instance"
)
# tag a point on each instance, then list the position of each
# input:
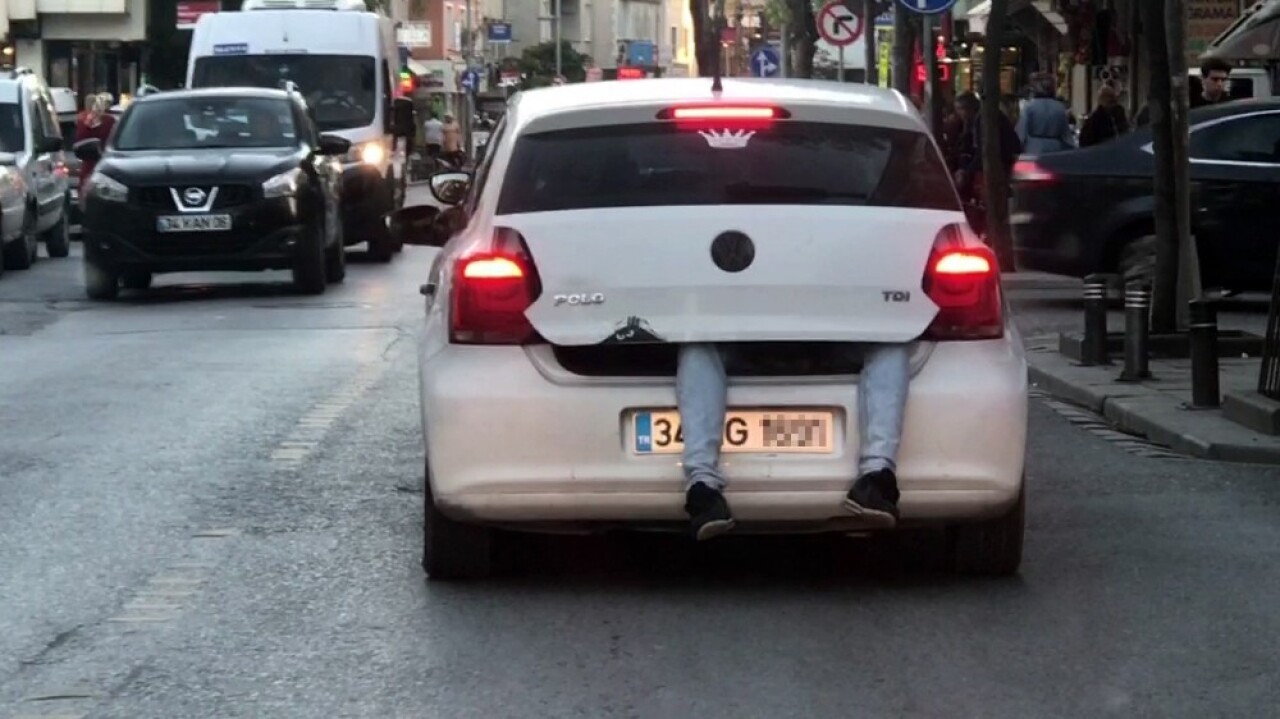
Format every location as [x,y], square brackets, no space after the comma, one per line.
[210,507]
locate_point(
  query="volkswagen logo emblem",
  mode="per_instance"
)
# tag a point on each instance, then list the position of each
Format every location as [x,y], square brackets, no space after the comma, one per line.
[733,251]
[194,196]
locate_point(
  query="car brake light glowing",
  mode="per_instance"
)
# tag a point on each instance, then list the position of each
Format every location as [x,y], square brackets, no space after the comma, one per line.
[492,268]
[1031,171]
[724,112]
[493,286]
[963,280]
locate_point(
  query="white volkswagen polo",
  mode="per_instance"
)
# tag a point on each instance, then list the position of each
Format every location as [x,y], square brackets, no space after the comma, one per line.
[591,242]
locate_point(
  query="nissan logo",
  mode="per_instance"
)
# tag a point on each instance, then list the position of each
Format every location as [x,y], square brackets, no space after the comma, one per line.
[193,196]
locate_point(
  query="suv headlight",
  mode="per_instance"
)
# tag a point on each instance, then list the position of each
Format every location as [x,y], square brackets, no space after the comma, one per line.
[283,185]
[105,188]
[370,153]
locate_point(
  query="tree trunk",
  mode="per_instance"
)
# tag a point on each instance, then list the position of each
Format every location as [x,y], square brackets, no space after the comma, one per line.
[706,46]
[903,46]
[804,36]
[1165,290]
[1188,266]
[996,181]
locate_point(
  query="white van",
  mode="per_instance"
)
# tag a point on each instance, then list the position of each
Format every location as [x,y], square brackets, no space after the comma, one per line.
[344,60]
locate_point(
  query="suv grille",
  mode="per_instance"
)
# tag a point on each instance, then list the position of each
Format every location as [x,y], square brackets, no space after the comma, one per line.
[160,198]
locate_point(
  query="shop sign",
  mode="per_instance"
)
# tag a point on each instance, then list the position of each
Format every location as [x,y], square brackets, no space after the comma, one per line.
[189,11]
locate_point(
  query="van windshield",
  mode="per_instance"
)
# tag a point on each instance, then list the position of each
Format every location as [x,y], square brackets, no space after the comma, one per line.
[341,90]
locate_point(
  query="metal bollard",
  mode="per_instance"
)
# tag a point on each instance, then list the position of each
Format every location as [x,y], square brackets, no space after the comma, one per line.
[1093,349]
[1137,330]
[1203,337]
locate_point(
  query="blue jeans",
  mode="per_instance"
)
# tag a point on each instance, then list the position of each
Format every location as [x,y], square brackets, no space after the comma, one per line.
[702,387]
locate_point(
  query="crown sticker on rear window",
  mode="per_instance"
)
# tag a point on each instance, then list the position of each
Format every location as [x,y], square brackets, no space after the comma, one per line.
[727,139]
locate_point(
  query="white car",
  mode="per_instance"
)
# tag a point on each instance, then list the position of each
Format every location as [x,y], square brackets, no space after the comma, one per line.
[584,250]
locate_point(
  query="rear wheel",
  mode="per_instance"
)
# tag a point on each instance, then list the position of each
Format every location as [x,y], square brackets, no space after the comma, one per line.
[58,239]
[450,549]
[309,265]
[100,283]
[136,279]
[21,253]
[991,548]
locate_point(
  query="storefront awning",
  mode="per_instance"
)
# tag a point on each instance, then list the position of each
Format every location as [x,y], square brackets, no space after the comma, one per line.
[979,13]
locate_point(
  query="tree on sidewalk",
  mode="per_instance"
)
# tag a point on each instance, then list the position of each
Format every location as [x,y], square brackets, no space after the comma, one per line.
[1159,102]
[995,179]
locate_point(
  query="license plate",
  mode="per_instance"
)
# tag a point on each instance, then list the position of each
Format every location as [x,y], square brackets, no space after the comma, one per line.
[745,431]
[193,223]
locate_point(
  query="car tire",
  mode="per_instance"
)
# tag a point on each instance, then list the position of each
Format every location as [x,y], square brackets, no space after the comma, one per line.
[335,262]
[451,549]
[136,279]
[58,240]
[309,266]
[21,253]
[991,548]
[100,283]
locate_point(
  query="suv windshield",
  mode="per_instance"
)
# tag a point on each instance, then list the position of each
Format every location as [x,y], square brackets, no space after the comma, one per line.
[207,122]
[11,131]
[340,89]
[789,163]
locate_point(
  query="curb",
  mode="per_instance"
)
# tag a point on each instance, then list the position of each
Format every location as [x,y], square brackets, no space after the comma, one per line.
[1154,415]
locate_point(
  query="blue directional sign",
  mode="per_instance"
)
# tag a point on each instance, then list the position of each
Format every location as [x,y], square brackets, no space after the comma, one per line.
[471,80]
[764,62]
[928,7]
[499,32]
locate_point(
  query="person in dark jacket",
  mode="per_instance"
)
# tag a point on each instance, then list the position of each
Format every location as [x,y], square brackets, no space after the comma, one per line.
[968,177]
[1211,90]
[1045,125]
[1107,121]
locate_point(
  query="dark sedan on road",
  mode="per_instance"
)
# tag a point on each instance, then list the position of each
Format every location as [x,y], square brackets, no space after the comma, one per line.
[230,179]
[1090,210]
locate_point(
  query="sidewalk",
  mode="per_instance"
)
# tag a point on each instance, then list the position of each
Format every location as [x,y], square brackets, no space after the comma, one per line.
[1157,409]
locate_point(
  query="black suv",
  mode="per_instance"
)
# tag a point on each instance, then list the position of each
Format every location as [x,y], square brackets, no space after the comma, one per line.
[227,179]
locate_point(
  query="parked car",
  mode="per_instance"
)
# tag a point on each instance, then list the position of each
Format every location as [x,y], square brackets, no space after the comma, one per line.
[13,208]
[1090,210]
[31,143]
[259,189]
[797,219]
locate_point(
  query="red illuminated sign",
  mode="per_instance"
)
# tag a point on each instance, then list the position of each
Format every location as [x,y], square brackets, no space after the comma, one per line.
[630,73]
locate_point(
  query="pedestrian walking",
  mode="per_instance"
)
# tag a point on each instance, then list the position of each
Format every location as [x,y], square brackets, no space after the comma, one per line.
[94,123]
[1107,121]
[1044,126]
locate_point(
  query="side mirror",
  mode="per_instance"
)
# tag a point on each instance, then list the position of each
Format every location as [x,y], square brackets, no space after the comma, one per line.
[404,118]
[333,145]
[50,144]
[417,225]
[450,187]
[89,150]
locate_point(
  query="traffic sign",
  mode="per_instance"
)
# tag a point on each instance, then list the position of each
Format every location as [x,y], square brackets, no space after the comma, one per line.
[928,7]
[839,25]
[764,62]
[471,80]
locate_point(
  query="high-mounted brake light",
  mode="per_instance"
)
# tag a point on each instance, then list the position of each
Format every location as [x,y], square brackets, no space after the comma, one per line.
[963,280]
[724,112]
[493,286]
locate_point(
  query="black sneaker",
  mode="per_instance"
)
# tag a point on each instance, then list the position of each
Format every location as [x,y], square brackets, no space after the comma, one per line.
[876,494]
[708,512]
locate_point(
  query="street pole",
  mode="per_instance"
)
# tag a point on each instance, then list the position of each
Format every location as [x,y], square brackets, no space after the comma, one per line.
[840,77]
[557,34]
[786,51]
[930,70]
[901,51]
[1175,19]
[869,40]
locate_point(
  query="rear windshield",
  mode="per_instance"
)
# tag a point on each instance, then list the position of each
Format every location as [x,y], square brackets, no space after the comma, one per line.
[790,163]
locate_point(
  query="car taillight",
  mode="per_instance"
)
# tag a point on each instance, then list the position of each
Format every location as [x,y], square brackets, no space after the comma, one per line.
[963,280]
[493,286]
[1031,171]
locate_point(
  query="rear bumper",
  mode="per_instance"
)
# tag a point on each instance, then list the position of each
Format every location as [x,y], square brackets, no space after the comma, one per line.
[510,443]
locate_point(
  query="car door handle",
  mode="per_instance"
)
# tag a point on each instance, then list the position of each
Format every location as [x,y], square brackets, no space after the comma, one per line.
[427,290]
